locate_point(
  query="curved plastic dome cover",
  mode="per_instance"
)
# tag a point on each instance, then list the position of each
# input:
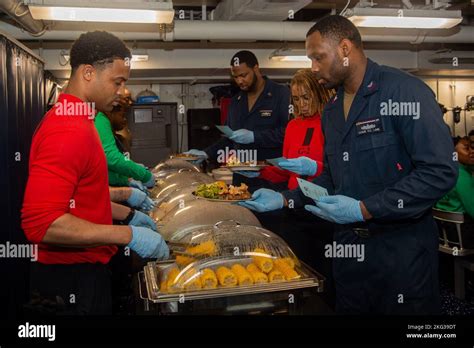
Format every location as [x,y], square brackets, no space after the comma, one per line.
[228,255]
[196,213]
[176,181]
[228,236]
[173,165]
[146,93]
[178,197]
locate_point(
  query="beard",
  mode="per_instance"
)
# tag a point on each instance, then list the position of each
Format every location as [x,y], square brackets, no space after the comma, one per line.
[338,74]
[331,85]
[253,85]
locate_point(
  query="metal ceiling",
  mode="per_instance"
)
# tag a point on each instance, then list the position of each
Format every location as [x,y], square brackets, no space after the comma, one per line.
[193,9]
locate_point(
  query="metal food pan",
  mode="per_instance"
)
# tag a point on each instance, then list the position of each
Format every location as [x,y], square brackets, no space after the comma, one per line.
[153,270]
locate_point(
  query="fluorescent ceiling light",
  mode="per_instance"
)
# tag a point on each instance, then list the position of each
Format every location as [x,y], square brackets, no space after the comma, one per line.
[291,58]
[135,57]
[139,57]
[403,18]
[156,12]
[289,55]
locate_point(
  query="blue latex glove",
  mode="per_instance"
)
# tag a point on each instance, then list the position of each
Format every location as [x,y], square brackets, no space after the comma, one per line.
[243,136]
[137,184]
[148,243]
[140,219]
[301,165]
[202,154]
[264,200]
[339,209]
[248,173]
[150,183]
[138,199]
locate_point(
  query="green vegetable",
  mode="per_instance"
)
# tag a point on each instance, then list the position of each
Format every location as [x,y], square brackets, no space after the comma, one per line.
[208,191]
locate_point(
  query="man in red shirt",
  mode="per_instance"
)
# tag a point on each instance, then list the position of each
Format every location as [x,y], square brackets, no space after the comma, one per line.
[67,208]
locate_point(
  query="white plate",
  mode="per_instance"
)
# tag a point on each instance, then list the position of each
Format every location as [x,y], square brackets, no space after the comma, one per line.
[220,200]
[221,171]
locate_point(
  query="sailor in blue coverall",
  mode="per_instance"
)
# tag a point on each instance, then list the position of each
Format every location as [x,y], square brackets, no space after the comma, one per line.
[388,159]
[258,114]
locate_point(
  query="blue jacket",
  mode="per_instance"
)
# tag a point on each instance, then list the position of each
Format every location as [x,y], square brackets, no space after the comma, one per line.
[267,119]
[399,162]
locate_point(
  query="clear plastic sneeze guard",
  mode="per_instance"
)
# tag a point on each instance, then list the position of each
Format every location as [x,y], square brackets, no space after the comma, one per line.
[225,260]
[178,197]
[173,165]
[177,181]
[183,219]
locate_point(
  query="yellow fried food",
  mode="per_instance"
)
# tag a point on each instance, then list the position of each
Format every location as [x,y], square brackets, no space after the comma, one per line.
[171,279]
[163,286]
[208,279]
[264,263]
[191,280]
[243,276]
[206,248]
[289,261]
[193,285]
[276,276]
[258,276]
[222,186]
[282,266]
[184,260]
[226,277]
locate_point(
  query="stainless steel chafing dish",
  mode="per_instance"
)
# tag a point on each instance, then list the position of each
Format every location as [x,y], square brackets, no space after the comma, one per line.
[192,214]
[173,287]
[173,165]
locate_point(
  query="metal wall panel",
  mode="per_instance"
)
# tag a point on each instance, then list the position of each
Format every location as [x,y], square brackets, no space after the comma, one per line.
[22,103]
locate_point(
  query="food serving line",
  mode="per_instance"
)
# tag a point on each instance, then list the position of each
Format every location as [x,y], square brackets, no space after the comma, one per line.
[222,260]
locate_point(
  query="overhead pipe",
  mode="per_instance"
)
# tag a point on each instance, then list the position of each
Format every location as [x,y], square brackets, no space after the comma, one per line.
[253,31]
[21,14]
[239,30]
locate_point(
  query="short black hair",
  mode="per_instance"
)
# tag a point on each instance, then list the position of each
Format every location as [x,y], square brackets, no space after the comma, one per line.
[338,28]
[97,48]
[457,139]
[246,57]
[471,133]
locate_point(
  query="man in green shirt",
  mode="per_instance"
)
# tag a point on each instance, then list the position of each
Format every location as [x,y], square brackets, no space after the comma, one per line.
[122,170]
[461,197]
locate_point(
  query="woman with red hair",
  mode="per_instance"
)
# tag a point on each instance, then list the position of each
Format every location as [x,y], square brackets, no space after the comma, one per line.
[304,141]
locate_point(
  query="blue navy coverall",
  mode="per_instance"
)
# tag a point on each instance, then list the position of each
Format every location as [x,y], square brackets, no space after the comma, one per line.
[399,166]
[267,119]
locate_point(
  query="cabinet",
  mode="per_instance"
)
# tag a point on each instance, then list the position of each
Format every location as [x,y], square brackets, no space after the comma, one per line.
[154,129]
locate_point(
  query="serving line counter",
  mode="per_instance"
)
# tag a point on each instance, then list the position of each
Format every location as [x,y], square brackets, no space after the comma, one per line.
[222,261]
